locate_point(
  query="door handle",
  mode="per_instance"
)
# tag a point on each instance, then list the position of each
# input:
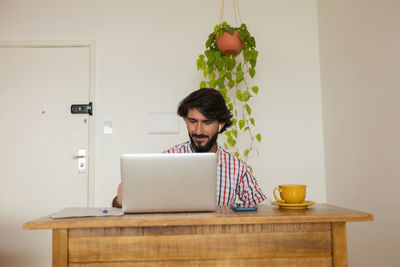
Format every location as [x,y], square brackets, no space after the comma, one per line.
[81,157]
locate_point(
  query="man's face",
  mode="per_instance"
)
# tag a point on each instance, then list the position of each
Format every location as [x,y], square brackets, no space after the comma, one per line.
[203,132]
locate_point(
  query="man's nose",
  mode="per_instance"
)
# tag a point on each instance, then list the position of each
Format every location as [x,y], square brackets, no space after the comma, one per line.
[198,129]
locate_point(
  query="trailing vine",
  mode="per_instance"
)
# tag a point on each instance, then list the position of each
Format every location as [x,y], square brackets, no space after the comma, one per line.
[230,74]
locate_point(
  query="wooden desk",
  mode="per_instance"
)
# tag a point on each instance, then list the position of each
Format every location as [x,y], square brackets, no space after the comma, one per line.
[269,237]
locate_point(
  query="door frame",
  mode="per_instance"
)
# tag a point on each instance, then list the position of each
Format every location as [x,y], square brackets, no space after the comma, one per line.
[91,45]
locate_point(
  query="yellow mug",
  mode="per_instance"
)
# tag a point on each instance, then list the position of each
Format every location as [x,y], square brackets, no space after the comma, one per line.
[291,193]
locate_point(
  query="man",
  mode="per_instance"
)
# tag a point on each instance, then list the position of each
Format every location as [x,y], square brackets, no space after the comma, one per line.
[206,115]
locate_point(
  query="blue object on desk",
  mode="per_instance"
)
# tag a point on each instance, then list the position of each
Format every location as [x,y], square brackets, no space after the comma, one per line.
[105,211]
[240,207]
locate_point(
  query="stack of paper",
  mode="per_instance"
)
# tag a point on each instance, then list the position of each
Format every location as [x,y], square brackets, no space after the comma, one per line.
[87,212]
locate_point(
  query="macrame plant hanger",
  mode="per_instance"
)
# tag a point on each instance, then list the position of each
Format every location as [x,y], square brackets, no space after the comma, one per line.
[238,18]
[230,43]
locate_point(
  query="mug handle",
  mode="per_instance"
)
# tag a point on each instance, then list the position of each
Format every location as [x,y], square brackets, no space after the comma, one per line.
[277,199]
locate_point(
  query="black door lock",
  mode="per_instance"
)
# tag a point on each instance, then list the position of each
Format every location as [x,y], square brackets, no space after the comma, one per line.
[82,109]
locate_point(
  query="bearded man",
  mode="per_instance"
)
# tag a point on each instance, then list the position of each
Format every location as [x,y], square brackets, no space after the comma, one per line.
[206,116]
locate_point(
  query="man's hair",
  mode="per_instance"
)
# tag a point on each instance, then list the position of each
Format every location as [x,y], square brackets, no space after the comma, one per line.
[208,102]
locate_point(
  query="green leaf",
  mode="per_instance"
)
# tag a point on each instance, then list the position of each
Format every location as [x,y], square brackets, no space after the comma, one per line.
[252,121]
[231,64]
[209,42]
[237,154]
[235,132]
[223,91]
[199,62]
[211,76]
[222,73]
[246,152]
[212,84]
[229,75]
[209,54]
[246,54]
[203,84]
[231,84]
[228,133]
[242,35]
[234,121]
[239,68]
[252,63]
[255,89]
[220,82]
[210,59]
[245,95]
[217,54]
[252,42]
[219,64]
[242,123]
[231,141]
[254,54]
[239,95]
[252,72]
[204,66]
[239,76]
[230,30]
[230,106]
[248,109]
[258,136]
[225,59]
[216,27]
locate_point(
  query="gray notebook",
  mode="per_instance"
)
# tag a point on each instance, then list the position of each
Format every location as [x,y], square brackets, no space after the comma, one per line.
[164,182]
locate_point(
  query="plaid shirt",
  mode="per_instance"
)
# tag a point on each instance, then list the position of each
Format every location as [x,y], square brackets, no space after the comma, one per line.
[234,178]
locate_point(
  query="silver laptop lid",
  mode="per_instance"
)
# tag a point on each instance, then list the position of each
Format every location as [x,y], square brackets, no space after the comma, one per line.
[180,182]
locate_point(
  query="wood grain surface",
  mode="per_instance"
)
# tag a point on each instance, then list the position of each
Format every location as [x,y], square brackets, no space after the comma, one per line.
[223,216]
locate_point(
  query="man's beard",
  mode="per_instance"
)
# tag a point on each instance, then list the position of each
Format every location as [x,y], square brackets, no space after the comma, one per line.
[207,147]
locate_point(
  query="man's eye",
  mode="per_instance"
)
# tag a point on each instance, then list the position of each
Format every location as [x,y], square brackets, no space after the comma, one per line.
[207,122]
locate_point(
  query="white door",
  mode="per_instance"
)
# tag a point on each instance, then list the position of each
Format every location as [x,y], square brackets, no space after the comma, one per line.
[39,139]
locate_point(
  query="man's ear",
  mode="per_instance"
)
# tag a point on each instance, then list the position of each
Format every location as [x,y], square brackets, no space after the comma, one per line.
[220,126]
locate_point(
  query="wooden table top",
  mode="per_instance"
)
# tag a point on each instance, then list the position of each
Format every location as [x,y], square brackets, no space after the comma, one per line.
[223,215]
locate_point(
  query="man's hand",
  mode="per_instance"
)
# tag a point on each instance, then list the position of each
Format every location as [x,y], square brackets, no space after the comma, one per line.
[119,195]
[117,201]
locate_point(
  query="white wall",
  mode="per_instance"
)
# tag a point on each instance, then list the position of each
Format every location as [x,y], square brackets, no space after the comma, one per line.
[146,61]
[133,82]
[359,42]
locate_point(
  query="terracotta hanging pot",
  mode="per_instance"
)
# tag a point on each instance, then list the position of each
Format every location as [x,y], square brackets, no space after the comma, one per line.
[229,44]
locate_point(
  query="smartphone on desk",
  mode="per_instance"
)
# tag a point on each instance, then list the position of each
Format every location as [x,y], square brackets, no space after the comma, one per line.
[242,207]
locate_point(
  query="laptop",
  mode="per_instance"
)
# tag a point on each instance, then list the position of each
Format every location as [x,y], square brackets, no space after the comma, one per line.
[181,182]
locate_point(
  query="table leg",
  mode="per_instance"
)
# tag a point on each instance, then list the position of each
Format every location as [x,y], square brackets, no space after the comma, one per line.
[339,244]
[60,247]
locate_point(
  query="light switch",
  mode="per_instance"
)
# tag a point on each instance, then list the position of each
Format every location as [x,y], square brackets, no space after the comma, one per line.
[163,123]
[107,127]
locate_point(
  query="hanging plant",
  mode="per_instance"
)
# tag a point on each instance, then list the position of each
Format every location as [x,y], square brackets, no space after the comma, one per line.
[229,71]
